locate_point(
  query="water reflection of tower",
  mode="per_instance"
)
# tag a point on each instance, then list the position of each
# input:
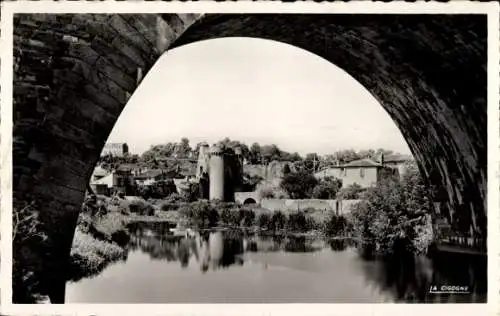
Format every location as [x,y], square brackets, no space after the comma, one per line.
[203,252]
[216,249]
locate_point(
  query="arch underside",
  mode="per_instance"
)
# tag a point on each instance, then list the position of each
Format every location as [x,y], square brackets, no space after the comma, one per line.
[249,201]
[427,71]
[74,74]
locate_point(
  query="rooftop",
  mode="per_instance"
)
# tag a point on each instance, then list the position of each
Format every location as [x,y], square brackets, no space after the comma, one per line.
[365,162]
[100,171]
[150,174]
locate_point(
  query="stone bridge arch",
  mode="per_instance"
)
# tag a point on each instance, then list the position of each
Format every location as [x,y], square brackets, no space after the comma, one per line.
[74,74]
[245,197]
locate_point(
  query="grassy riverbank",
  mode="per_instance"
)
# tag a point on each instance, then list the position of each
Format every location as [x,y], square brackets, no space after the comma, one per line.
[89,255]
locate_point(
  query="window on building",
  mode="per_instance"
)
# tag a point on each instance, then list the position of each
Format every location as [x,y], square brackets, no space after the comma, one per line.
[345,171]
[361,172]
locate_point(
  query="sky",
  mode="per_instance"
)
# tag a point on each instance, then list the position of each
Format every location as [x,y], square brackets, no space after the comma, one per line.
[254,90]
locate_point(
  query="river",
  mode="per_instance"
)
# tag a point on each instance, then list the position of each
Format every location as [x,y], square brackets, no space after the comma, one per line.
[233,267]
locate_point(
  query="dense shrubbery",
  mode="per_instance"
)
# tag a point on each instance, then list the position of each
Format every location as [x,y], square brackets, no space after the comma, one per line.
[264,220]
[191,193]
[250,182]
[200,214]
[299,185]
[327,188]
[336,226]
[157,190]
[230,217]
[266,193]
[395,214]
[171,203]
[93,206]
[351,192]
[295,222]
[278,220]
[304,185]
[247,217]
[275,222]
[203,214]
[141,208]
[271,191]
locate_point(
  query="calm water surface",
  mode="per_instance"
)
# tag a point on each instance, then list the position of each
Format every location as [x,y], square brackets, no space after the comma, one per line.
[232,267]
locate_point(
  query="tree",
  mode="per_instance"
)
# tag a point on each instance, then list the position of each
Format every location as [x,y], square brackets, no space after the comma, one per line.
[295,157]
[255,156]
[395,215]
[351,192]
[183,148]
[191,193]
[312,161]
[286,169]
[346,156]
[336,225]
[224,143]
[250,182]
[327,188]
[196,150]
[158,151]
[270,153]
[370,153]
[299,185]
[227,143]
[330,160]
[381,151]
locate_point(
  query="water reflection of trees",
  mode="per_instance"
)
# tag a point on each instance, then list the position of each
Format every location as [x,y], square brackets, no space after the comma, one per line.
[408,278]
[211,249]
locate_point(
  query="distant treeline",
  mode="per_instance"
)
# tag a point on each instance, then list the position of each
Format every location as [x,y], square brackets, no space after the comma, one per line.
[254,154]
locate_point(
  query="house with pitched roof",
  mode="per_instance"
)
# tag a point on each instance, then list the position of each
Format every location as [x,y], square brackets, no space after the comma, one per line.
[108,182]
[364,172]
[151,176]
[397,161]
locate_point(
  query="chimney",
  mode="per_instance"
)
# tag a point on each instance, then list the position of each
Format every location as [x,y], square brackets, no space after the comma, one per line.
[381,158]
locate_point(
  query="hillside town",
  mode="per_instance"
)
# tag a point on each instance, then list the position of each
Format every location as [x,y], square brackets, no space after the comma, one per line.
[220,173]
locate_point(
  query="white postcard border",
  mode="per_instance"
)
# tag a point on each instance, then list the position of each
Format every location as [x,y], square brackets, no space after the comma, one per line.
[455,7]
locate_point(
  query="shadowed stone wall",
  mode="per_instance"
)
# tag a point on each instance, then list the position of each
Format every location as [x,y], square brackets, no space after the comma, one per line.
[74,74]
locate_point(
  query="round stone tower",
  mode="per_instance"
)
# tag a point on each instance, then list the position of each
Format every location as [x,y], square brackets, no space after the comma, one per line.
[203,160]
[216,173]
